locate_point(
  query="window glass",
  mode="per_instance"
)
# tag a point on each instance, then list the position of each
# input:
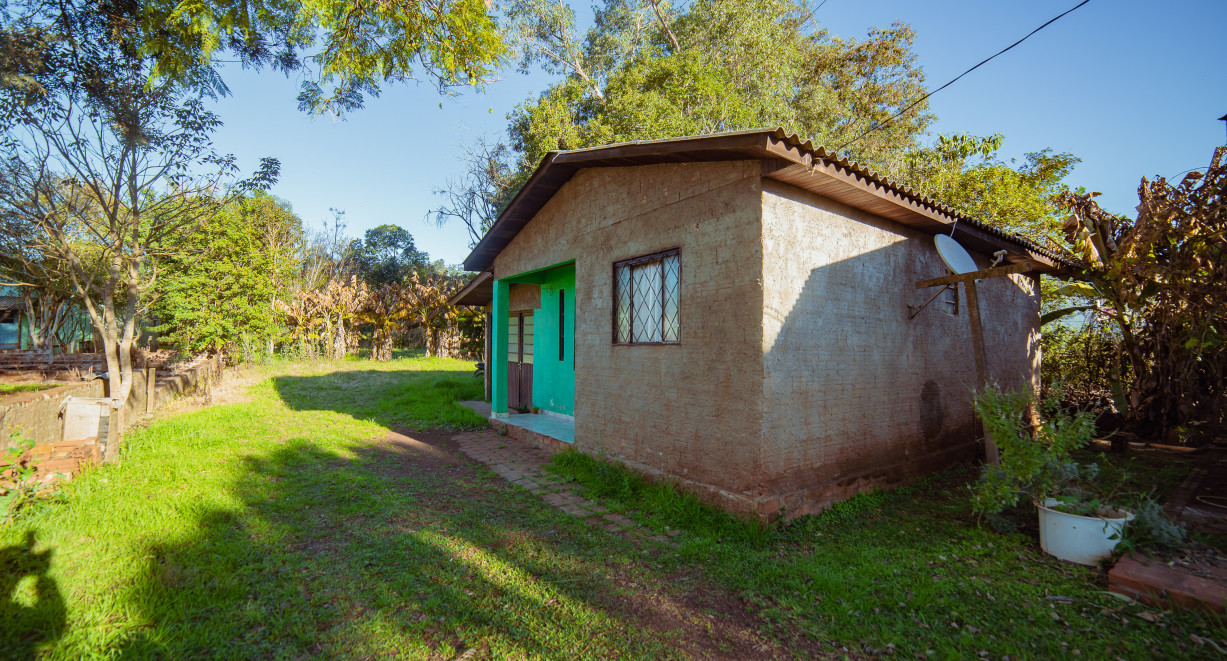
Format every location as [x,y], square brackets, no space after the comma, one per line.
[513,338]
[526,344]
[647,299]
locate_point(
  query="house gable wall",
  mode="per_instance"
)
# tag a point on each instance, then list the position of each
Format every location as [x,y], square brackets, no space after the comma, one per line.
[692,410]
[857,395]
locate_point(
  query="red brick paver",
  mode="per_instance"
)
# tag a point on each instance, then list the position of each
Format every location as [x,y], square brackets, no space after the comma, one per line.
[524,466]
[1156,583]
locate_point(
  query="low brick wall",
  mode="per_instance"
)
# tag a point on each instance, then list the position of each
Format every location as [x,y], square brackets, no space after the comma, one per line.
[38,416]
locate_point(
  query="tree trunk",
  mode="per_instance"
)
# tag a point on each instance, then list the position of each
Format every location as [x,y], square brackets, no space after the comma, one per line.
[44,315]
[33,328]
[381,345]
[432,342]
[340,342]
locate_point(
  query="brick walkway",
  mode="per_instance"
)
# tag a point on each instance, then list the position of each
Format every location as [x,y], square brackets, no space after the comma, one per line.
[524,467]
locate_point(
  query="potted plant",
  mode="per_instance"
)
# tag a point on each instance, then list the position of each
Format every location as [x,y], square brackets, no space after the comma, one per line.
[1076,523]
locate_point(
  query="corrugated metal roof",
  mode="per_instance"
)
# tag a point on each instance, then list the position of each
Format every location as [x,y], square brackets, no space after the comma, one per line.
[801,163]
[11,303]
[821,153]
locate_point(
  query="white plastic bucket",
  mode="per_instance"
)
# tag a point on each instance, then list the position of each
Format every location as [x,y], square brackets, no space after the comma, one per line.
[1081,539]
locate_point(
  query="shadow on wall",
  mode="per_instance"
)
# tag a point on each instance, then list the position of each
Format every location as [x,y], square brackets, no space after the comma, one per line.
[856,388]
[32,612]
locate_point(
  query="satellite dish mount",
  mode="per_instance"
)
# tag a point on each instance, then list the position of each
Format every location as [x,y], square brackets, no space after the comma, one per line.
[963,269]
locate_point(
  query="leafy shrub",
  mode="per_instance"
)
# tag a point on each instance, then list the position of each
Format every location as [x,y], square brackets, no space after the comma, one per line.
[1035,462]
[18,487]
[1151,529]
[1084,367]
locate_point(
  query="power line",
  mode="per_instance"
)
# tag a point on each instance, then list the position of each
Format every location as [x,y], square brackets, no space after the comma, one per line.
[981,63]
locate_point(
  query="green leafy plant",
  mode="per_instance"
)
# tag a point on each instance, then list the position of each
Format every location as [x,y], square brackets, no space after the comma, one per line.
[1150,529]
[17,479]
[1036,461]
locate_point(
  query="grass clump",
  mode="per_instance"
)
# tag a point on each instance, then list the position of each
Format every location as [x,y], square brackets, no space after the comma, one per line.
[12,388]
[661,502]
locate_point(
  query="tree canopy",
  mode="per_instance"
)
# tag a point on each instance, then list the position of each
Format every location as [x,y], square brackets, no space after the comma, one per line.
[386,255]
[221,281]
[652,70]
[647,69]
[344,50]
[968,174]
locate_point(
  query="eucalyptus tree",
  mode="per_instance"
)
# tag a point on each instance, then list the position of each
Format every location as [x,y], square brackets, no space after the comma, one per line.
[649,69]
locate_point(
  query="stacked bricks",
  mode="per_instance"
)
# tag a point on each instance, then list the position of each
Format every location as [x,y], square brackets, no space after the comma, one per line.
[58,460]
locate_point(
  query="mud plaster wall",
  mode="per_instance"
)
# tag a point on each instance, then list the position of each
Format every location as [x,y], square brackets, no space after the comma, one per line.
[694,409]
[524,297]
[856,394]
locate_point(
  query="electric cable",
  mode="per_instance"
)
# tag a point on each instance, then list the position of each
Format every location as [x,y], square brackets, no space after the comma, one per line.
[956,78]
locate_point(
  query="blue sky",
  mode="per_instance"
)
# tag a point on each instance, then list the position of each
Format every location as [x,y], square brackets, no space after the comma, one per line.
[1132,88]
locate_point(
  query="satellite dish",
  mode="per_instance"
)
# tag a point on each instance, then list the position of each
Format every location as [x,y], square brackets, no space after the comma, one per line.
[954,255]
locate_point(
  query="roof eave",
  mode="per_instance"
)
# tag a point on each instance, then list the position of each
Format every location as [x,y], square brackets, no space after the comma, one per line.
[478,292]
[785,158]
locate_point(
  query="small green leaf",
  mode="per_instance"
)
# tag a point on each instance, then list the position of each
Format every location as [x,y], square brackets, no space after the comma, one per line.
[1064,312]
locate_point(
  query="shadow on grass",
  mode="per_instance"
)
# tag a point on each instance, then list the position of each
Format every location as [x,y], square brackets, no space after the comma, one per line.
[402,399]
[32,612]
[400,547]
[394,546]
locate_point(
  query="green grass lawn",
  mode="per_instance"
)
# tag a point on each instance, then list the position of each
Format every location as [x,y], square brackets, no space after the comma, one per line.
[10,388]
[298,525]
[908,572]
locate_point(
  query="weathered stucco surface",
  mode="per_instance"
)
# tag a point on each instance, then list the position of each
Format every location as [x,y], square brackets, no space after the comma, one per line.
[694,409]
[799,379]
[856,394]
[524,297]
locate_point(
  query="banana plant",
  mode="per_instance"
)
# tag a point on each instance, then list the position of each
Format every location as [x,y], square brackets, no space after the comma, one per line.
[1158,278]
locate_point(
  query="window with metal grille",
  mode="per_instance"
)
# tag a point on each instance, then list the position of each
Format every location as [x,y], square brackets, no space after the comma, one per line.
[647,299]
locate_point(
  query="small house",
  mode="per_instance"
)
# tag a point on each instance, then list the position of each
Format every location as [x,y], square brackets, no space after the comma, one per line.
[739,313]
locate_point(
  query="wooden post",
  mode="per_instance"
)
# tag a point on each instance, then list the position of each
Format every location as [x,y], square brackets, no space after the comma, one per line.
[977,346]
[991,455]
[151,389]
[115,430]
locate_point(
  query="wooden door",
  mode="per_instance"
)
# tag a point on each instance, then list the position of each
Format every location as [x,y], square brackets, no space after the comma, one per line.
[520,360]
